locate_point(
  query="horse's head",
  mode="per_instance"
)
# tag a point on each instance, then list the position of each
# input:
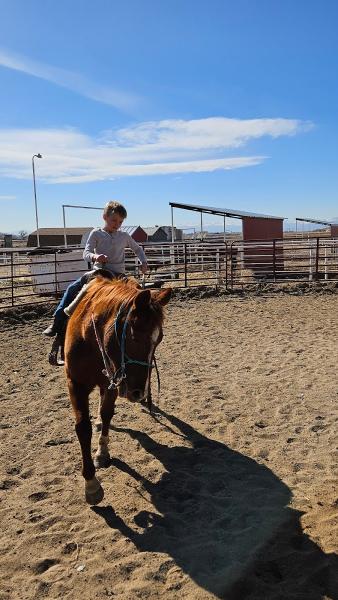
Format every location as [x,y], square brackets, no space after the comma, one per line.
[132,344]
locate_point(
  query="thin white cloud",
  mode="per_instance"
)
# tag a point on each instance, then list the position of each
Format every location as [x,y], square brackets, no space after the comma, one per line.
[70,80]
[151,148]
[7,198]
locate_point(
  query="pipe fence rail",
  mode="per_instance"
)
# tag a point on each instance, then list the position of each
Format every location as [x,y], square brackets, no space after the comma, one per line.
[34,276]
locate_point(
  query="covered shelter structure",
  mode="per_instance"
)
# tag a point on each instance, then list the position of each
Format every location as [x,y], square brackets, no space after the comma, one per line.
[332,227]
[258,229]
[254,226]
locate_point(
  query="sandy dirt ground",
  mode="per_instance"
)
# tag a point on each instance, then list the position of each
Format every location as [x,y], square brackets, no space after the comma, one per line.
[228,491]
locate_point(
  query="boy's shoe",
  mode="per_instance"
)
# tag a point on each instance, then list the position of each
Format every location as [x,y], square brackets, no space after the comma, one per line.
[58,325]
[50,331]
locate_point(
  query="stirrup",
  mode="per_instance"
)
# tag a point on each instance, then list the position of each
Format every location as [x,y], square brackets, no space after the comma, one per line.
[58,344]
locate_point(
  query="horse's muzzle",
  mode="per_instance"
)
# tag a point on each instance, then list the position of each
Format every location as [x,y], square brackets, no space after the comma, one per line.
[136,395]
[123,389]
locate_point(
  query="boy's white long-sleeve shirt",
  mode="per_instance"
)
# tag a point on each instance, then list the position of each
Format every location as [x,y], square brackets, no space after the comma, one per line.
[113,245]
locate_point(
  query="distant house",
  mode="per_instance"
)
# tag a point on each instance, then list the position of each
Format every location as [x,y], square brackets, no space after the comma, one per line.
[156,234]
[178,233]
[54,236]
[162,233]
[135,231]
[76,236]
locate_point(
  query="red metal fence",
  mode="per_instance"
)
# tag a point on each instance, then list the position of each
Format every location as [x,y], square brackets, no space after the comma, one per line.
[30,278]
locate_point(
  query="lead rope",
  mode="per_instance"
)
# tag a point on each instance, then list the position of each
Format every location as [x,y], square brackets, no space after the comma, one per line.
[107,370]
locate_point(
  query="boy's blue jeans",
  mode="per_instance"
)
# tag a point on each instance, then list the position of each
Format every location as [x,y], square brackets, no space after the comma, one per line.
[69,295]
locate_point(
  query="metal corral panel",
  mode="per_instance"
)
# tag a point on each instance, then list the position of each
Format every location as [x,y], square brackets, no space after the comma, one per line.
[48,271]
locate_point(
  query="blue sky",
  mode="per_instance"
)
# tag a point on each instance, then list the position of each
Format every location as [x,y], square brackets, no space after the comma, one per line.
[226,103]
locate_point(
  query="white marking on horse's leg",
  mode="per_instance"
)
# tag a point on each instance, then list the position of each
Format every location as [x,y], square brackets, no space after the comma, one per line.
[102,456]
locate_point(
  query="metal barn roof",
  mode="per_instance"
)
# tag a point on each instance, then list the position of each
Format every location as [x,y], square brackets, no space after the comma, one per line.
[226,212]
[130,229]
[152,230]
[60,230]
[314,221]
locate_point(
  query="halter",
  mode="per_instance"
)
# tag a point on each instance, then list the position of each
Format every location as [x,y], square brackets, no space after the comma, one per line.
[116,378]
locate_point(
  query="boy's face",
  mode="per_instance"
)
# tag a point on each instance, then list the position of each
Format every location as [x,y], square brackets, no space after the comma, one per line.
[113,221]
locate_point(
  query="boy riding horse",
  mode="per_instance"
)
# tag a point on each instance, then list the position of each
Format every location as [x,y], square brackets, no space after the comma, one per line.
[105,248]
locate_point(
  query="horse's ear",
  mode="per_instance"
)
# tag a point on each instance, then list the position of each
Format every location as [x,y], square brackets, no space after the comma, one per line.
[162,296]
[142,300]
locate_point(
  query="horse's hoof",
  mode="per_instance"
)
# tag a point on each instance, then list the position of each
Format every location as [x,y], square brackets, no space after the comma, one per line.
[102,461]
[94,493]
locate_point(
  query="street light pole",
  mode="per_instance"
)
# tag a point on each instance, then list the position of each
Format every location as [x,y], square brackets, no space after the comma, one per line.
[35,202]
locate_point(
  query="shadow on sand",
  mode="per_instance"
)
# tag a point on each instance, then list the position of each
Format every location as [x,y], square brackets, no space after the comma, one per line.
[225,522]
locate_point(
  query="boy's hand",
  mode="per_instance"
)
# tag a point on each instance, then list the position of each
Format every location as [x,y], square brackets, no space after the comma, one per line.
[100,258]
[144,268]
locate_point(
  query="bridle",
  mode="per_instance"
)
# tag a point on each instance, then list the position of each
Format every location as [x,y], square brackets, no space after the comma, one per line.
[116,377]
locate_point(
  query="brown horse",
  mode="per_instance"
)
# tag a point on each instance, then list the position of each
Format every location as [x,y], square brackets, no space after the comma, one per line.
[110,342]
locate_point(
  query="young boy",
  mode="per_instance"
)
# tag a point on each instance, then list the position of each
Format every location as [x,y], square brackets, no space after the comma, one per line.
[105,248]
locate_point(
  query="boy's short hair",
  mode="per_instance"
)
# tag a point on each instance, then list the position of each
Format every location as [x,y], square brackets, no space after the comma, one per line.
[114,207]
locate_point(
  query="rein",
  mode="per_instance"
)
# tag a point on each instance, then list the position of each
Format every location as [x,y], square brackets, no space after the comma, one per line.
[116,377]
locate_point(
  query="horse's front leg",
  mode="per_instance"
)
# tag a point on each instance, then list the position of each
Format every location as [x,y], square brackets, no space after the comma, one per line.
[79,395]
[107,407]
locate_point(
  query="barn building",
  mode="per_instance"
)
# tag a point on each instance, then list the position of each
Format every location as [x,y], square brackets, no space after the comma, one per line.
[156,234]
[76,236]
[137,232]
[162,233]
[54,236]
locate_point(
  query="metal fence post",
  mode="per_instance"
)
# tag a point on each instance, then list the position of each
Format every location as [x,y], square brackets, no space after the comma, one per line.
[185,266]
[56,275]
[274,260]
[231,268]
[317,259]
[12,278]
[310,264]
[217,267]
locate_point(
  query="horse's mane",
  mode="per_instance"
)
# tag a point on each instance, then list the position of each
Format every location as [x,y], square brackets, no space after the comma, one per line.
[106,296]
